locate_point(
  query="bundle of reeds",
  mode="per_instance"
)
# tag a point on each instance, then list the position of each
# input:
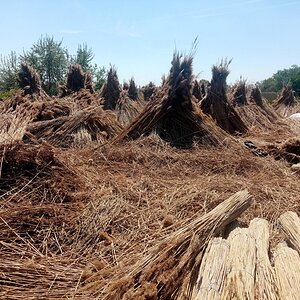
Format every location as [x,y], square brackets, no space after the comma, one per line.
[75,78]
[290,225]
[216,104]
[286,103]
[133,90]
[197,91]
[252,108]
[265,279]
[239,283]
[255,95]
[90,124]
[88,82]
[149,90]
[238,93]
[127,109]
[29,80]
[170,271]
[213,269]
[111,90]
[13,127]
[173,114]
[287,268]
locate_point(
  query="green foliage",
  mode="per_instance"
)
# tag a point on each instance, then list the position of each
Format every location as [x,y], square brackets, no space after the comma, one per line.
[99,77]
[283,77]
[84,58]
[7,94]
[50,59]
[9,67]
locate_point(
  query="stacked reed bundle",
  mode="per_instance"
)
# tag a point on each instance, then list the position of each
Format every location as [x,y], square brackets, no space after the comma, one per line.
[213,270]
[173,114]
[286,103]
[239,282]
[251,107]
[265,280]
[111,90]
[170,270]
[215,102]
[287,268]
[92,124]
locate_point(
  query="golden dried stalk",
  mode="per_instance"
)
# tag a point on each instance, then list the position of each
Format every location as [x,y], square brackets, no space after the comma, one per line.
[212,271]
[290,224]
[239,283]
[172,264]
[287,268]
[265,285]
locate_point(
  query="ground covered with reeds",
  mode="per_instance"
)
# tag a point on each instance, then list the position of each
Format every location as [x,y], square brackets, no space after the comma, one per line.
[93,186]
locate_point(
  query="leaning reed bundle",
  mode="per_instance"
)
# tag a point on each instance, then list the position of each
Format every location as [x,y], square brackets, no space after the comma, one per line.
[174,115]
[75,78]
[286,103]
[212,271]
[265,280]
[110,91]
[13,127]
[239,283]
[127,110]
[29,80]
[215,102]
[287,268]
[64,131]
[168,271]
[238,94]
[290,225]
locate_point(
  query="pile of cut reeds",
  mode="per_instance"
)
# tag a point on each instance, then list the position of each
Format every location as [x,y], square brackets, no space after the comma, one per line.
[127,110]
[215,102]
[173,114]
[29,80]
[111,90]
[286,103]
[170,270]
[252,108]
[82,127]
[76,80]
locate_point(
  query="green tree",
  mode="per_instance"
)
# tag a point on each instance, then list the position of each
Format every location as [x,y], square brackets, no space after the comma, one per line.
[84,57]
[51,60]
[9,67]
[283,77]
[99,77]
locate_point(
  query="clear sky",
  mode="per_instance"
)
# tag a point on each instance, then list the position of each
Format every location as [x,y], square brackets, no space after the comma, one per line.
[139,37]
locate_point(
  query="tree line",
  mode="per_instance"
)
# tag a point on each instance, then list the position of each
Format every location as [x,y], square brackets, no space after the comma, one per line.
[275,83]
[51,59]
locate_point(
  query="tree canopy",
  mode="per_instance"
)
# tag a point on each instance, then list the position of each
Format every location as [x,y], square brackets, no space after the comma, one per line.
[51,60]
[281,78]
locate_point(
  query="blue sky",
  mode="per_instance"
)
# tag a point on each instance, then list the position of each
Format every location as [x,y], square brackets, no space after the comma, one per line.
[139,37]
